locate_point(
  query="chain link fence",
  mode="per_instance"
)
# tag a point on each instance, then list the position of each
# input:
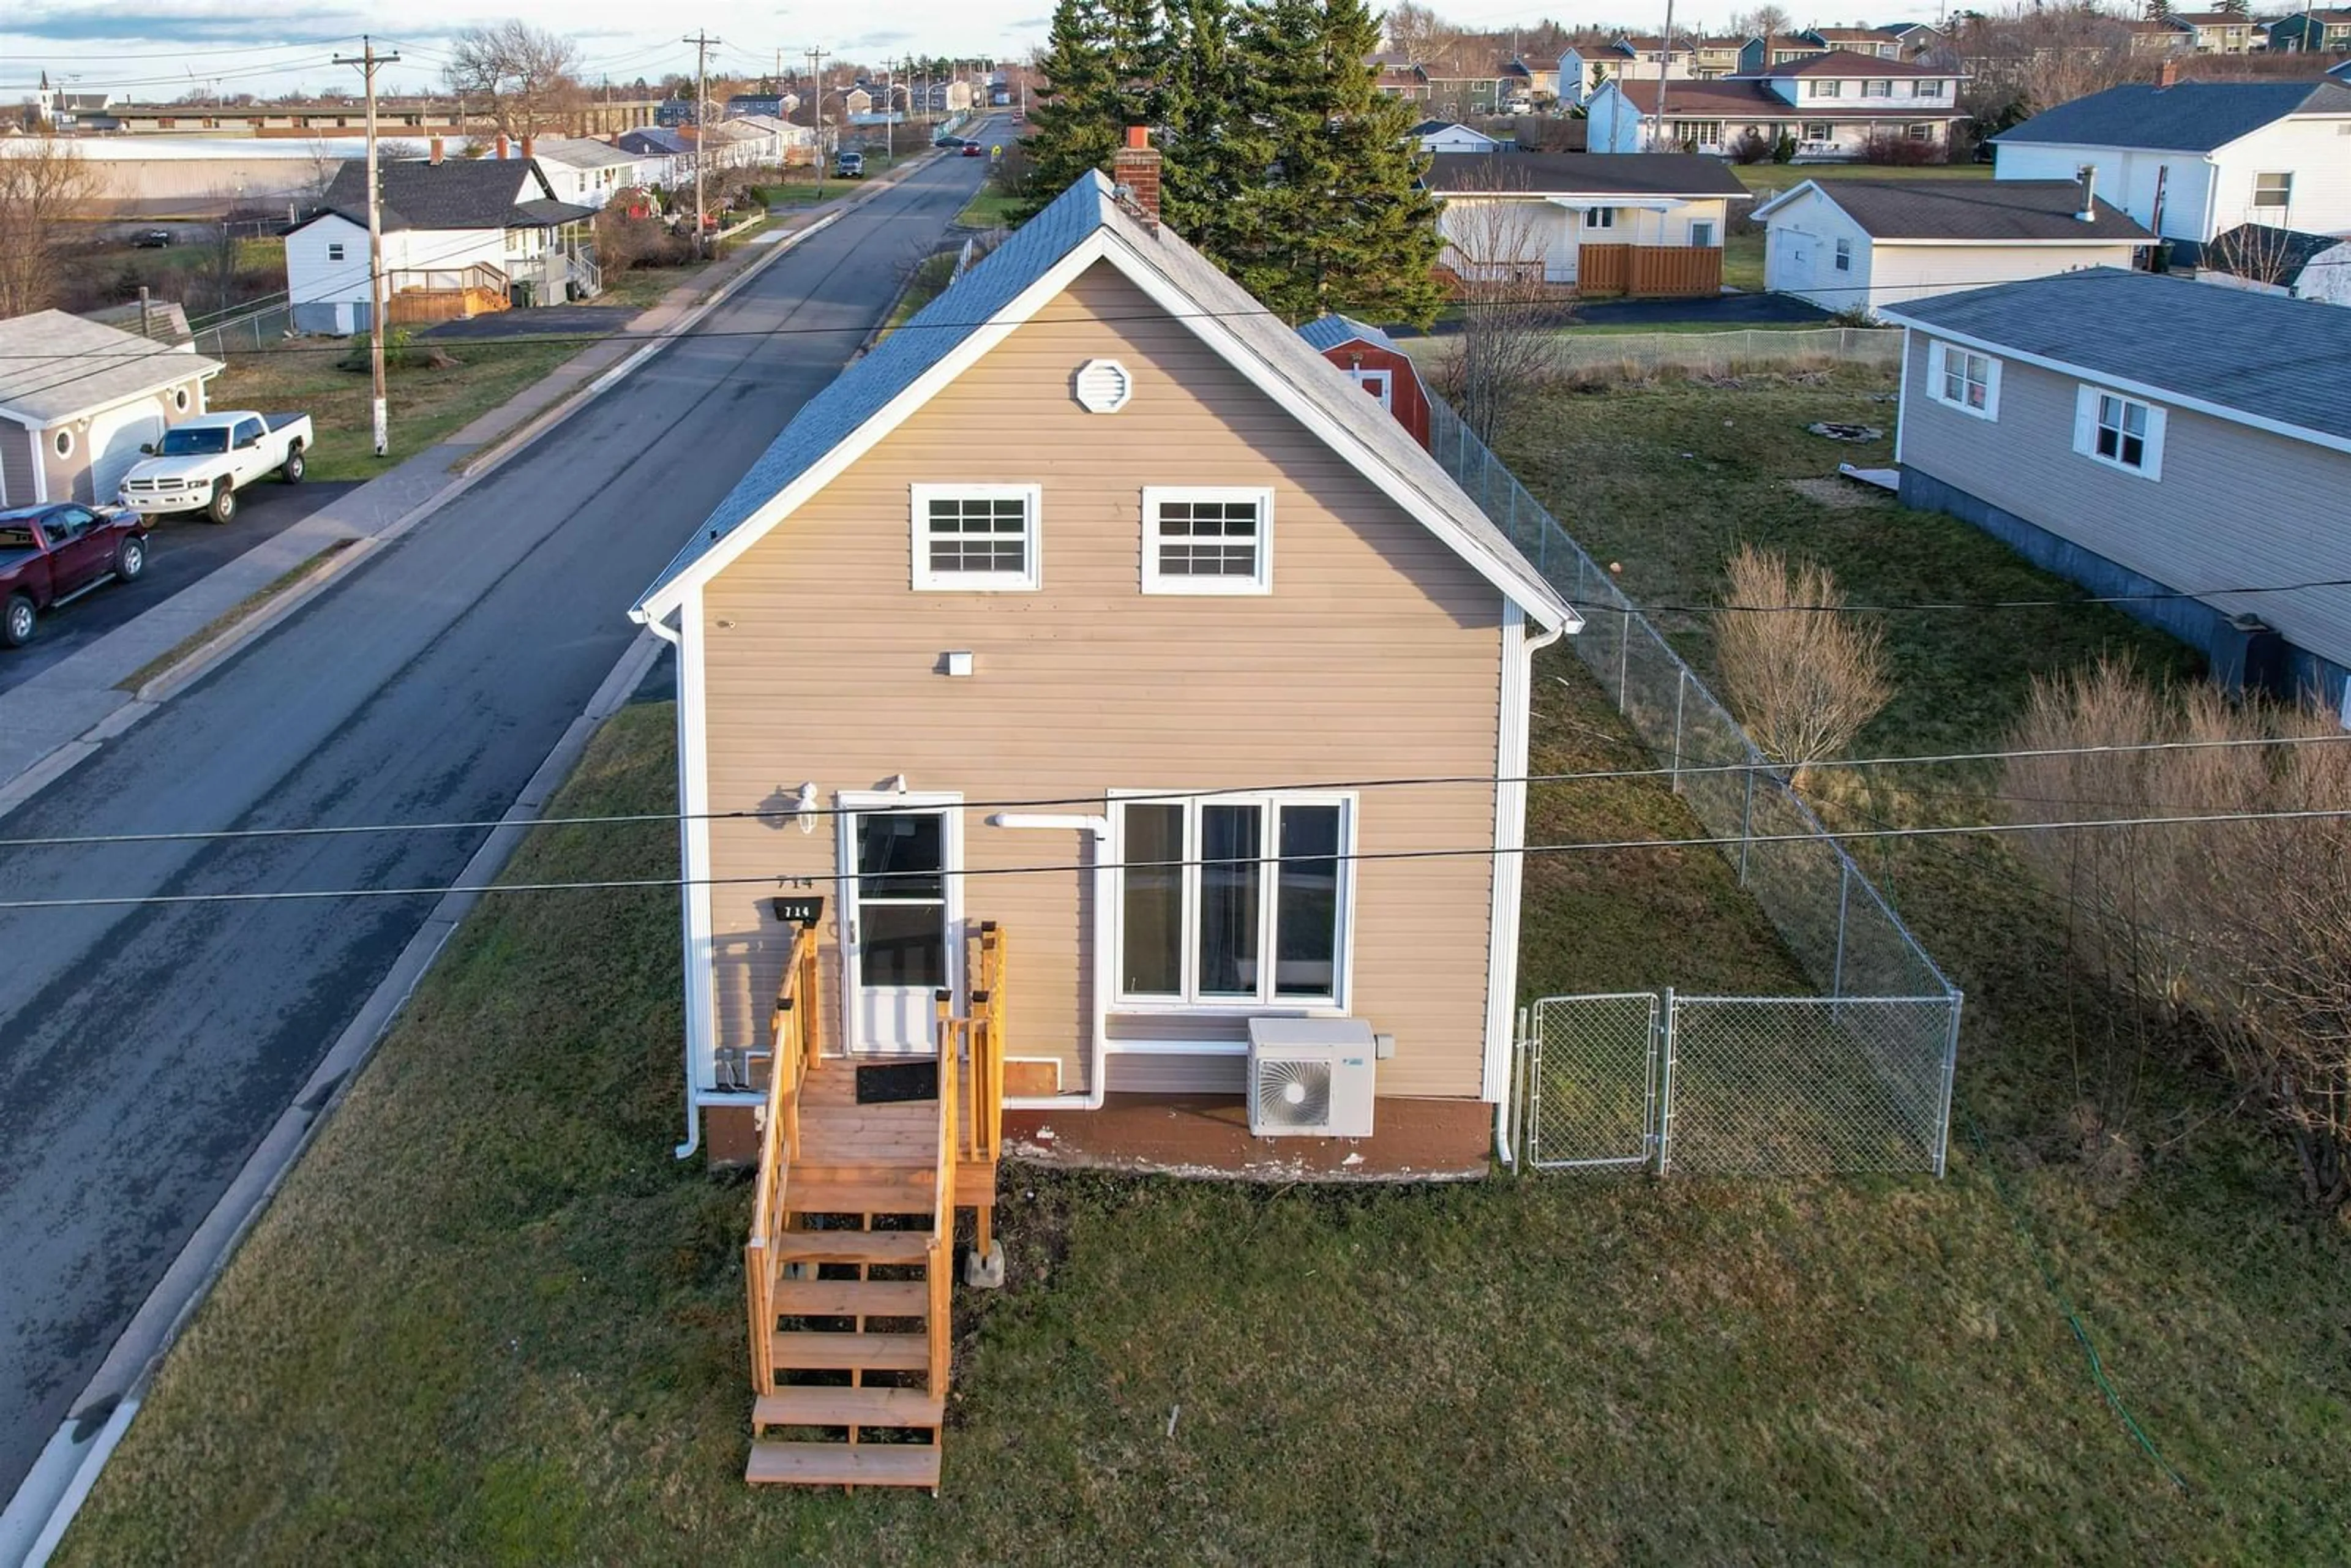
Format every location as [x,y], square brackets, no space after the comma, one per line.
[246,332]
[1855,1078]
[1722,353]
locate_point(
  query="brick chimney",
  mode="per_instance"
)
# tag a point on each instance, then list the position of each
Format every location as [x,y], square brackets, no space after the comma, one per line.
[1134,172]
[503,153]
[436,150]
[526,142]
[2168,74]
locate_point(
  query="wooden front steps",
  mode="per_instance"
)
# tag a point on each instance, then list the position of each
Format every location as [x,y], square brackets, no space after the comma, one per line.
[812,1404]
[805,1351]
[844,1464]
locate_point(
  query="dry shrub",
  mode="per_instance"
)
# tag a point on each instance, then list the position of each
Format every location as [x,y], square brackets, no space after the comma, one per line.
[2240,929]
[1802,674]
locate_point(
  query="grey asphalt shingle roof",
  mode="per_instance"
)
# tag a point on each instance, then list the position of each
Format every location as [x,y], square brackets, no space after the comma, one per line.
[455,193]
[655,140]
[2188,117]
[2260,354]
[1029,253]
[54,366]
[1585,173]
[1990,210]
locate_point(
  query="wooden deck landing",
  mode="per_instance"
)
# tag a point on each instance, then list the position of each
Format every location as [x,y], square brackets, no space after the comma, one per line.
[836,1131]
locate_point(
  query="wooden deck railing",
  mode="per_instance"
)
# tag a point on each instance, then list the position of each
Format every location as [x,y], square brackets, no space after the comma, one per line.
[984,1037]
[795,1043]
[941,1320]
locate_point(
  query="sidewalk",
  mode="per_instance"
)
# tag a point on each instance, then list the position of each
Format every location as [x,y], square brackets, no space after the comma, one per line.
[53,721]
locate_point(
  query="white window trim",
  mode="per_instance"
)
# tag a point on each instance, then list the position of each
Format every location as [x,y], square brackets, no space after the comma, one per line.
[1259,582]
[1841,255]
[2085,432]
[1336,1006]
[1705,225]
[2286,196]
[61,440]
[926,581]
[1935,371]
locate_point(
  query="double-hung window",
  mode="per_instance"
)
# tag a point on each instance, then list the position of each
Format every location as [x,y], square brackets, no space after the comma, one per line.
[975,537]
[1831,89]
[1877,89]
[1216,540]
[1233,901]
[1929,87]
[1964,380]
[2273,190]
[1844,255]
[2119,432]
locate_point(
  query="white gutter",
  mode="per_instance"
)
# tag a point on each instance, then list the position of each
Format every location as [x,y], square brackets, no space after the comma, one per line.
[1511,813]
[675,638]
[1097,1073]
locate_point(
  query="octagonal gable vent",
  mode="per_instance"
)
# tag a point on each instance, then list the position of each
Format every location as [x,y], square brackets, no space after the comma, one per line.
[1103,386]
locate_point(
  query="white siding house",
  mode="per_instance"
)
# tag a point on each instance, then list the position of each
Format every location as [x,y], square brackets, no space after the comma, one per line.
[2196,158]
[1516,212]
[581,170]
[1833,105]
[1864,244]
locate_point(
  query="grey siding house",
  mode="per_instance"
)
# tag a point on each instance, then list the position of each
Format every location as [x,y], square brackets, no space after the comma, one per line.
[2146,435]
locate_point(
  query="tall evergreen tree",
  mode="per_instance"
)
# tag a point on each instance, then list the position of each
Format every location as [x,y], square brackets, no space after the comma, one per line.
[1216,153]
[1076,111]
[1342,223]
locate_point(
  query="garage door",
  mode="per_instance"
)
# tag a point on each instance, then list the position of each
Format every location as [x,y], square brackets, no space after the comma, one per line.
[115,438]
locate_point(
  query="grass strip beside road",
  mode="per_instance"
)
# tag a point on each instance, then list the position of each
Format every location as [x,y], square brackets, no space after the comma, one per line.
[244,610]
[425,404]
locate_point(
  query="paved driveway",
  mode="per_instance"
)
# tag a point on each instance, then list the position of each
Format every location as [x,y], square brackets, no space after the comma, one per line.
[179,551]
[144,1049]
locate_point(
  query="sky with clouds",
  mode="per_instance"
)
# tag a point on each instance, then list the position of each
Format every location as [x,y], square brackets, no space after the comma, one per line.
[157,48]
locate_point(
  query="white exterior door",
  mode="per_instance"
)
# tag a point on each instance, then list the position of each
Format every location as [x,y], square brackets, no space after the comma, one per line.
[901,908]
[115,438]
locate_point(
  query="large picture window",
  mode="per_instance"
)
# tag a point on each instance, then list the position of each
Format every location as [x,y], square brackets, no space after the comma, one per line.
[975,537]
[1233,901]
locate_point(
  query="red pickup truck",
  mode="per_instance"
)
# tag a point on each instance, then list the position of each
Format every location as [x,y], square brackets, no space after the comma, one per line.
[53,555]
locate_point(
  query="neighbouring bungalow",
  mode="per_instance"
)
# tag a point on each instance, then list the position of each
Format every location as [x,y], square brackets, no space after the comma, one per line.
[77,399]
[2151,438]
[1026,688]
[1834,105]
[1646,224]
[1862,244]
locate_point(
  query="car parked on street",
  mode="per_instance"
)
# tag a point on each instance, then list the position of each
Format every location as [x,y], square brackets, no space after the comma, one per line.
[201,463]
[52,555]
[151,240]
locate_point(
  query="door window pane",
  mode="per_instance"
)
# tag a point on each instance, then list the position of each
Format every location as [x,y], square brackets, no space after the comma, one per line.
[1151,961]
[1231,840]
[1306,952]
[902,944]
[901,856]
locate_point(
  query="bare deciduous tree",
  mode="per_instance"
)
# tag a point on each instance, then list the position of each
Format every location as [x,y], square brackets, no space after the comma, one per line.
[2030,60]
[2241,929]
[1802,673]
[1508,347]
[528,78]
[43,183]
[2257,253]
[1762,22]
[1417,33]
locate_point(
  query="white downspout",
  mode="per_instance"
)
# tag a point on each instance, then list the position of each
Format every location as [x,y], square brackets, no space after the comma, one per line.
[1517,766]
[675,638]
[1097,1074]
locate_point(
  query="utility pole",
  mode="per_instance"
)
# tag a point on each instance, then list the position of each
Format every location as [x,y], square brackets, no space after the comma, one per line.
[1665,69]
[816,59]
[379,296]
[701,43]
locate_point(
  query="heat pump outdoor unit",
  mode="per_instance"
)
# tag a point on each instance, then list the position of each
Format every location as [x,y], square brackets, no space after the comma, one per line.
[1309,1078]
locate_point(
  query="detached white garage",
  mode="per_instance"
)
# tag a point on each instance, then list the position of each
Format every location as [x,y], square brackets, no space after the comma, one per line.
[1865,245]
[77,399]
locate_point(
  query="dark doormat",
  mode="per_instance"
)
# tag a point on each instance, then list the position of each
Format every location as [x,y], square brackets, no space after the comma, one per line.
[896,1082]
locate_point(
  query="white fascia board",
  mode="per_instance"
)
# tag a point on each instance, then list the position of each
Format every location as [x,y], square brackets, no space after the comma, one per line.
[867,436]
[2084,243]
[2153,394]
[1530,594]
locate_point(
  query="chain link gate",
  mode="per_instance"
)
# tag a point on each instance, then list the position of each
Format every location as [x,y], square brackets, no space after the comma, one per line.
[1598,1080]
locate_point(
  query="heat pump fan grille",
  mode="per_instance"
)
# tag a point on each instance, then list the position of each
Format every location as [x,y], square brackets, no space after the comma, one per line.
[1293,1093]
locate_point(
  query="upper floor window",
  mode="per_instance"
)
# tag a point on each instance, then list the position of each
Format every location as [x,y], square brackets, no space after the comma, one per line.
[975,537]
[334,250]
[2273,190]
[1964,380]
[2120,432]
[1929,88]
[1844,255]
[1877,89]
[1207,540]
[1828,90]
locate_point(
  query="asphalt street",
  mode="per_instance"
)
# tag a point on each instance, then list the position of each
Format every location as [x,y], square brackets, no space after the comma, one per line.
[144,1051]
[180,550]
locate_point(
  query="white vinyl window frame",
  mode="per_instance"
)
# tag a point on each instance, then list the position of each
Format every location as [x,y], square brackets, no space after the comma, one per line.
[1844,255]
[1701,234]
[1878,88]
[1191,1003]
[2100,414]
[930,579]
[1600,217]
[1953,374]
[1259,579]
[1931,87]
[334,250]
[2273,189]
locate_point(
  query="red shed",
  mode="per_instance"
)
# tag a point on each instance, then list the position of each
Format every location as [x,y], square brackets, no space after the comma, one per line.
[1379,367]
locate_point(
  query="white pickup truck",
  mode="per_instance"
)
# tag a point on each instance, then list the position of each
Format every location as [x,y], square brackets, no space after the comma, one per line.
[201,463]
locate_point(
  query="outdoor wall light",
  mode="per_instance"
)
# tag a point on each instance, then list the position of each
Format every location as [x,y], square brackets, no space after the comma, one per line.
[956,662]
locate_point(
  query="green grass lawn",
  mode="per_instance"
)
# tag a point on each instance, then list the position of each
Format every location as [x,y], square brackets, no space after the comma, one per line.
[425,404]
[1768,179]
[489,1320]
[989,209]
[1742,260]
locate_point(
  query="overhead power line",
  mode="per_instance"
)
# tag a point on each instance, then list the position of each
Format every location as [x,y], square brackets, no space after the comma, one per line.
[1320,786]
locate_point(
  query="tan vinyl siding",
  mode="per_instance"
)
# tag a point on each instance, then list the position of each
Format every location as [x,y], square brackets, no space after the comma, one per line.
[2234,504]
[1377,653]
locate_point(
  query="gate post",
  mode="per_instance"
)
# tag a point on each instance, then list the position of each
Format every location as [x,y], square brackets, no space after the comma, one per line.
[1525,1063]
[1844,899]
[1665,1116]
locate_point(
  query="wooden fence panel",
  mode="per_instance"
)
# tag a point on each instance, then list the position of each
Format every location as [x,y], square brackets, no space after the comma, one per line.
[1669,271]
